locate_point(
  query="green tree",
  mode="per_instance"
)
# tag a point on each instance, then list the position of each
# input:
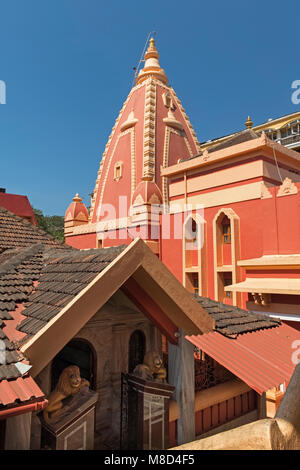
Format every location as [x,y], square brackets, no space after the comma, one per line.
[52,224]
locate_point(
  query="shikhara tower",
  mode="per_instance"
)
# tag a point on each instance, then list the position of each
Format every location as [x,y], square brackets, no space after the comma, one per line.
[151,131]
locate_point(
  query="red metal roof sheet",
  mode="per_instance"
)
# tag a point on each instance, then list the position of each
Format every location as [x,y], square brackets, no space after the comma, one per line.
[262,359]
[22,388]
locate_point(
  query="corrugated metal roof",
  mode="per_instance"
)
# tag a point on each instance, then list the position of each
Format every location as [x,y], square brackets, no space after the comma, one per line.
[22,389]
[262,359]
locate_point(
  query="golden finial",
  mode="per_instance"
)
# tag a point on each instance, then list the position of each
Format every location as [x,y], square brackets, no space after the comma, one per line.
[152,42]
[249,123]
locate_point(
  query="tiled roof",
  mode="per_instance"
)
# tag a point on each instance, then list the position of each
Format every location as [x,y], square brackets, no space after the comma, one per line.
[63,277]
[41,281]
[17,277]
[16,232]
[232,321]
[22,389]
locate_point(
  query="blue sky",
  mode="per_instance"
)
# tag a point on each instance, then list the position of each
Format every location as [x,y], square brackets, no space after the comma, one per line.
[67,65]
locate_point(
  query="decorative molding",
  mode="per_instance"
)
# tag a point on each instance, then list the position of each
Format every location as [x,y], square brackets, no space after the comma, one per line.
[149,131]
[288,187]
[130,121]
[168,102]
[113,224]
[205,155]
[154,199]
[171,121]
[138,200]
[133,161]
[165,161]
[82,229]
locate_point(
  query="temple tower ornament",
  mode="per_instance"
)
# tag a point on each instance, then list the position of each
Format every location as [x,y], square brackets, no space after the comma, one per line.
[152,67]
[248,123]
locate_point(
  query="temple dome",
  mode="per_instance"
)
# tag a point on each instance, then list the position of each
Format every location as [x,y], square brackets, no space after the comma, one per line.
[146,192]
[77,211]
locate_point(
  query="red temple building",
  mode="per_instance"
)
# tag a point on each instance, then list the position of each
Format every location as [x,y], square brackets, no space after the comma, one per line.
[223,219]
[235,203]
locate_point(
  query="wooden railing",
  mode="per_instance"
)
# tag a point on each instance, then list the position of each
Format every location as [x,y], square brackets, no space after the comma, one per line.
[215,407]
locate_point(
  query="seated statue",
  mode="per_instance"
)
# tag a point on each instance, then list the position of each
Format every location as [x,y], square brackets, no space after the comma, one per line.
[152,368]
[68,385]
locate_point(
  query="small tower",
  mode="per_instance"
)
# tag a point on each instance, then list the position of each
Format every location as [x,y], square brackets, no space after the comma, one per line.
[76,214]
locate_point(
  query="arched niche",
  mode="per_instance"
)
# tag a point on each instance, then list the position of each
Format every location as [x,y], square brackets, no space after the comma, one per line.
[78,352]
[137,349]
[226,238]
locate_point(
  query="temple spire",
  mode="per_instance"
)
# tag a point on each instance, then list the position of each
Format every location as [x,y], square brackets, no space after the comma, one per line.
[248,123]
[152,67]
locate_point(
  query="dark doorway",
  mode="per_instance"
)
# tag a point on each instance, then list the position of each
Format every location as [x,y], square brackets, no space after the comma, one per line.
[77,352]
[137,349]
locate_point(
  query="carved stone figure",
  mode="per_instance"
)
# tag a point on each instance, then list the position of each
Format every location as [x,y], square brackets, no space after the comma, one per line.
[152,368]
[68,385]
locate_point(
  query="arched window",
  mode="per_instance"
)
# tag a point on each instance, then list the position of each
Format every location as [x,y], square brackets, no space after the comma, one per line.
[77,352]
[191,231]
[226,229]
[137,349]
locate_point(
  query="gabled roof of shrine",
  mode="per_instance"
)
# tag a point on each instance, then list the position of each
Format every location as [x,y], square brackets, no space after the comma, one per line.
[64,275]
[45,291]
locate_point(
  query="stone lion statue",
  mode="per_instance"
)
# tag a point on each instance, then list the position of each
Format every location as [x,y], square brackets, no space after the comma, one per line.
[69,384]
[152,368]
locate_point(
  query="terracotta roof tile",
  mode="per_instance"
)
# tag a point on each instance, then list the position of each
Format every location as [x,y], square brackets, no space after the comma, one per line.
[233,321]
[16,232]
[62,278]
